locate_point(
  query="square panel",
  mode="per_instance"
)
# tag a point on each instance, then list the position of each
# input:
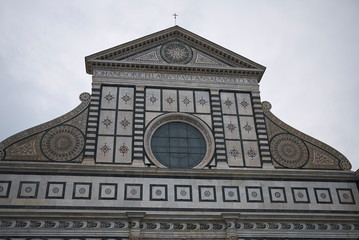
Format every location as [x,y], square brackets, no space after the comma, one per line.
[207,193]
[55,190]
[107,122]
[244,104]
[124,123]
[133,191]
[104,150]
[108,191]
[231,127]
[158,192]
[5,189]
[251,154]
[126,98]
[254,194]
[234,153]
[109,97]
[300,195]
[183,193]
[277,194]
[186,101]
[230,194]
[228,103]
[28,189]
[323,196]
[153,99]
[169,100]
[123,152]
[202,102]
[248,130]
[82,190]
[345,196]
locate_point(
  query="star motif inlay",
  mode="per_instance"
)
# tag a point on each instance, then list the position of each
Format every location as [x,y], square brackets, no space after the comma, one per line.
[107,122]
[248,127]
[123,149]
[105,149]
[231,127]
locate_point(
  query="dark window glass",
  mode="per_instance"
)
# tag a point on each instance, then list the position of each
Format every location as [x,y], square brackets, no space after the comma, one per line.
[178,145]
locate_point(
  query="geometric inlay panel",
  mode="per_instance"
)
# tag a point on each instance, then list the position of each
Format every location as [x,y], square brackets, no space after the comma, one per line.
[300,195]
[158,192]
[82,190]
[28,189]
[207,193]
[55,190]
[277,194]
[254,194]
[183,193]
[133,191]
[5,189]
[108,191]
[345,196]
[323,195]
[230,194]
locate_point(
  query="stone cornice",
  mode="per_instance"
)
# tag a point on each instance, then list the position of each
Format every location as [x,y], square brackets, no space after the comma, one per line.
[114,170]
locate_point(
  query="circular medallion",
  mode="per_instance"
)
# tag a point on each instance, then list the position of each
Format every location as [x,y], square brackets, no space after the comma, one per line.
[84,97]
[62,143]
[345,165]
[289,151]
[176,52]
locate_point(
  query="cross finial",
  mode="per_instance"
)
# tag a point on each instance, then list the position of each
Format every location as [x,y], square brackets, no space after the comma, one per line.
[175,16]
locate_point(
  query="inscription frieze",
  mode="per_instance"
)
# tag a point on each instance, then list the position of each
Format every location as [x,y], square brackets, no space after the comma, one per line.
[174,77]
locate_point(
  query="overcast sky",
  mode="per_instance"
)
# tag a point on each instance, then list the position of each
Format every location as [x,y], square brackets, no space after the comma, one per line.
[310,49]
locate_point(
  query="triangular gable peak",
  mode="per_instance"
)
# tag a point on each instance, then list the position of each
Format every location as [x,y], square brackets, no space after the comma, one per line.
[174,49]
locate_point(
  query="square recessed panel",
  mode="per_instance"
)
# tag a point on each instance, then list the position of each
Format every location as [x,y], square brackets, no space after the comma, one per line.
[230,194]
[158,192]
[300,195]
[254,194]
[133,191]
[108,191]
[207,193]
[277,194]
[322,195]
[5,189]
[345,196]
[82,190]
[28,190]
[55,190]
[183,193]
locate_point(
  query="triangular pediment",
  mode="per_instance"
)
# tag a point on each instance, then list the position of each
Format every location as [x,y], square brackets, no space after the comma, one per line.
[157,55]
[176,49]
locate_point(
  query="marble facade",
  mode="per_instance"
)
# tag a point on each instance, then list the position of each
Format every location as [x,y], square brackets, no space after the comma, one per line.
[91,173]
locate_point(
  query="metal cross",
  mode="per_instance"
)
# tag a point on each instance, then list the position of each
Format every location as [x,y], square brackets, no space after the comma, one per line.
[175,16]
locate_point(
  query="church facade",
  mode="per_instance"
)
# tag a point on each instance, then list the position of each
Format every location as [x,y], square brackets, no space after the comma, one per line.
[174,142]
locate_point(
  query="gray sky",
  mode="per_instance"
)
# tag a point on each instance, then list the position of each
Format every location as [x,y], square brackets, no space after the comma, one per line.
[310,49]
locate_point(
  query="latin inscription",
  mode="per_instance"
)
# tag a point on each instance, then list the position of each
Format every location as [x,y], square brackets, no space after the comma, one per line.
[174,77]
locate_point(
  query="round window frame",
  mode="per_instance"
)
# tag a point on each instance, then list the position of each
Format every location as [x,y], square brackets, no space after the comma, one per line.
[184,118]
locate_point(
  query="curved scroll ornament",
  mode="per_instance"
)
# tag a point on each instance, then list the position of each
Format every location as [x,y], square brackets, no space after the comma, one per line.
[53,137]
[291,148]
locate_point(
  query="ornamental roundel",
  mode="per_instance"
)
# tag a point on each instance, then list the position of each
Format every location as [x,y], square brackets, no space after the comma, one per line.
[62,143]
[176,52]
[289,151]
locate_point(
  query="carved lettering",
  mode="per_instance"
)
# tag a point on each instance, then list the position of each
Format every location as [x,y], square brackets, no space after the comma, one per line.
[175,77]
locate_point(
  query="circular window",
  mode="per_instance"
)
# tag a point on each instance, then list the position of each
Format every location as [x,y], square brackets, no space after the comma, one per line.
[178,140]
[178,145]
